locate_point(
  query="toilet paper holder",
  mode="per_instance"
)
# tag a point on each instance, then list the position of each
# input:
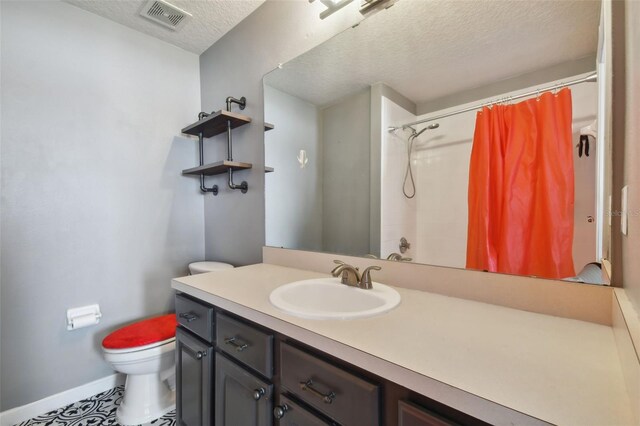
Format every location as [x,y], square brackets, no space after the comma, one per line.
[83,316]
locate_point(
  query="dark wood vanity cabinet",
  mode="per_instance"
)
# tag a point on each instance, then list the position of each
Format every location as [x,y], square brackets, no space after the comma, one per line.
[231,372]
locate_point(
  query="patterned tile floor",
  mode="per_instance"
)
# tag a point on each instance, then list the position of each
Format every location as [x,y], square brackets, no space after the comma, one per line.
[98,410]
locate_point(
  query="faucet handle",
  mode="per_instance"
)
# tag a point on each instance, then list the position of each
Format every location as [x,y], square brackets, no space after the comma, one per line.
[365,281]
[335,271]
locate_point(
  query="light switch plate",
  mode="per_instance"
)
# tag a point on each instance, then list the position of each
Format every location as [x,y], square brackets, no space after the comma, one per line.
[624,220]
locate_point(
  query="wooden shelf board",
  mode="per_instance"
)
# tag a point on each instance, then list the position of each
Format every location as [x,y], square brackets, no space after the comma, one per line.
[268,169]
[216,168]
[216,123]
[268,126]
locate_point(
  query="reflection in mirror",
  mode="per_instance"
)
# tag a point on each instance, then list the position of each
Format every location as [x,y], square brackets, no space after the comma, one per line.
[410,138]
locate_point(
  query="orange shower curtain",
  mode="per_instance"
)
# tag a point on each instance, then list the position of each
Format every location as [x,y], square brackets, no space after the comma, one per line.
[521,188]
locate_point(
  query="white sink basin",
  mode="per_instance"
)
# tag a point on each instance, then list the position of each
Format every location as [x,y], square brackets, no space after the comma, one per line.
[327,298]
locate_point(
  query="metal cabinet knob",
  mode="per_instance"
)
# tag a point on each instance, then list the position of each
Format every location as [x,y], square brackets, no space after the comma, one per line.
[258,393]
[280,410]
[200,354]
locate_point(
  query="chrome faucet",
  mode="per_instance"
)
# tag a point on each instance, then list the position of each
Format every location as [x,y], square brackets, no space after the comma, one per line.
[398,257]
[351,275]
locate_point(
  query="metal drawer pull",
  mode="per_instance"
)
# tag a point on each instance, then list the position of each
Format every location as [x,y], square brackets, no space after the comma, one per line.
[280,411]
[239,346]
[200,354]
[258,393]
[308,386]
[188,316]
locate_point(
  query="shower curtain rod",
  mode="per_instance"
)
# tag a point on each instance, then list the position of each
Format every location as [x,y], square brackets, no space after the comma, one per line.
[591,78]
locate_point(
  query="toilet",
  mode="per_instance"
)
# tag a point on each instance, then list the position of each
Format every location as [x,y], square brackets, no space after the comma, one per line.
[145,352]
[207,266]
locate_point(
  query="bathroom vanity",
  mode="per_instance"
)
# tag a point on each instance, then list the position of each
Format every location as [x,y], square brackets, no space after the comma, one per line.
[432,360]
[246,374]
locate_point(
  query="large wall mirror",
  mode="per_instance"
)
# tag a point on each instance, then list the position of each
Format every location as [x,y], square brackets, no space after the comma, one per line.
[407,138]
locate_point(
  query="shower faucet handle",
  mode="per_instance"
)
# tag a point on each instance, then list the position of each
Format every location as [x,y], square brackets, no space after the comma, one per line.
[404,245]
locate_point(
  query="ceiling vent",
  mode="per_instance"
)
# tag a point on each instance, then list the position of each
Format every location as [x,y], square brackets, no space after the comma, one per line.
[165,14]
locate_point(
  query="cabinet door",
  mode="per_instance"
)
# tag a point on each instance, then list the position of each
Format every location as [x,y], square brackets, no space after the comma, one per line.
[194,380]
[241,398]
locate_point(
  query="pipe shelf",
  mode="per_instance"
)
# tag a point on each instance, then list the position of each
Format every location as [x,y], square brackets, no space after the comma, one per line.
[216,123]
[217,168]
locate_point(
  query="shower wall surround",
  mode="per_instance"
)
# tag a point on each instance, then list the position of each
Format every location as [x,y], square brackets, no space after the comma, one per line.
[435,221]
[398,214]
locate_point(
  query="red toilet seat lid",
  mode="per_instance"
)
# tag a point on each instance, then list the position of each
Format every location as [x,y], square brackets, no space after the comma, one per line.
[142,333]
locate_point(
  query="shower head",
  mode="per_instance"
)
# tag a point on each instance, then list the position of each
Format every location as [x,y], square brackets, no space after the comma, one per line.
[414,132]
[429,127]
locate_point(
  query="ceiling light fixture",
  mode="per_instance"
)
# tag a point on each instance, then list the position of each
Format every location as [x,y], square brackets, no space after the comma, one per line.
[366,6]
[332,6]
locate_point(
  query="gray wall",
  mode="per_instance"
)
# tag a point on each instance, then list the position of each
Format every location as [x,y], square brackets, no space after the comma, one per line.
[293,195]
[94,209]
[346,136]
[276,32]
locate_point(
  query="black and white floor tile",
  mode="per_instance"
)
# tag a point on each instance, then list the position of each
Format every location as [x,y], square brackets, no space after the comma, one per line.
[98,410]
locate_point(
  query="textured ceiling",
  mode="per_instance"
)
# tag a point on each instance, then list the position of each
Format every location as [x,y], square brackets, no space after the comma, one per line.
[429,49]
[211,19]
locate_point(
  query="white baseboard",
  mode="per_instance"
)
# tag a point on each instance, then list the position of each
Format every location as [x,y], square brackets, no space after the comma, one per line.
[53,402]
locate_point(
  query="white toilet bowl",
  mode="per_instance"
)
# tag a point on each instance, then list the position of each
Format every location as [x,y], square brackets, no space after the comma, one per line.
[149,390]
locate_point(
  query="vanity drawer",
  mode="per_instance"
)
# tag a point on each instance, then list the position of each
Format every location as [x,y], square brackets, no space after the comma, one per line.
[344,397]
[413,415]
[195,316]
[245,343]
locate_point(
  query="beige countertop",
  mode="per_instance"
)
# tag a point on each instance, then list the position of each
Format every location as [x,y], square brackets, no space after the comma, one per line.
[499,364]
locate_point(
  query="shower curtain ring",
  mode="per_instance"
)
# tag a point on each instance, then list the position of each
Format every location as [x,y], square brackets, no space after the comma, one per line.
[558,87]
